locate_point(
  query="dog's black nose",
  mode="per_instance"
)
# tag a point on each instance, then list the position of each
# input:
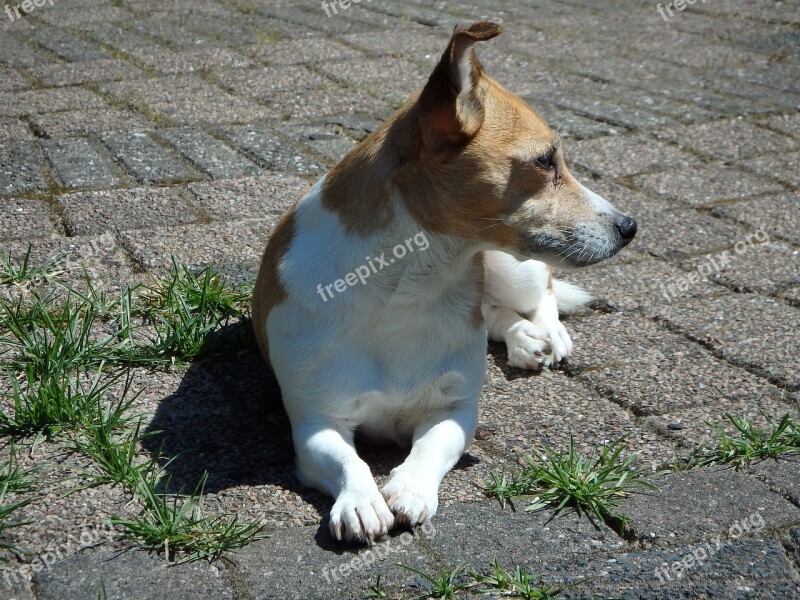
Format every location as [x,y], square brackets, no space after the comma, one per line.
[626,227]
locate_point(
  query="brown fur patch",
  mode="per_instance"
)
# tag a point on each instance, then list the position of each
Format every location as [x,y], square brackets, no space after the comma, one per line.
[549,279]
[269,291]
[357,189]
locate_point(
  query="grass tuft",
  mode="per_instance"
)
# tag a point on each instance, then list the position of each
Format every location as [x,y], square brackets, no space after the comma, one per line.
[178,527]
[589,484]
[12,480]
[445,585]
[22,273]
[64,352]
[749,442]
[515,584]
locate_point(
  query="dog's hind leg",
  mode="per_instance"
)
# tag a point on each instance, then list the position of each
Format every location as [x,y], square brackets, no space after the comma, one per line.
[328,461]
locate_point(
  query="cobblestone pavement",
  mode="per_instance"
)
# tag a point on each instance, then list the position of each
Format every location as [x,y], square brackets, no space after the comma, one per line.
[132,131]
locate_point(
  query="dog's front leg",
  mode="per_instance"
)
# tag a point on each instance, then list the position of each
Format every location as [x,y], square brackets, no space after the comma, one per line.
[413,490]
[328,461]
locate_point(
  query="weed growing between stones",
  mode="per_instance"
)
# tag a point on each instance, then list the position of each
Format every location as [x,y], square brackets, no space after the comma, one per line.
[588,484]
[65,351]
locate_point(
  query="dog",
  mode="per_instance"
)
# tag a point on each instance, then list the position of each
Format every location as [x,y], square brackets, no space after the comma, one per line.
[377,289]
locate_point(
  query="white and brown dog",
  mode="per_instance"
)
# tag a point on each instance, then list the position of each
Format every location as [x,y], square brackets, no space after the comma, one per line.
[377,289]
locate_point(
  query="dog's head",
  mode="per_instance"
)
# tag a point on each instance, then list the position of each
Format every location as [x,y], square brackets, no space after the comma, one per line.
[498,170]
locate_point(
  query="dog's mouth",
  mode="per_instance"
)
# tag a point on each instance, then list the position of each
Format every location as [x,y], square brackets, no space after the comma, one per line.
[580,248]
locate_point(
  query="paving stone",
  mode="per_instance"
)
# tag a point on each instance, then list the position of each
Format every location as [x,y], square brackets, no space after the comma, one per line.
[776,215]
[16,586]
[312,567]
[690,428]
[100,256]
[714,503]
[792,294]
[751,268]
[392,78]
[138,208]
[140,575]
[79,165]
[271,149]
[11,79]
[572,126]
[16,53]
[196,60]
[14,129]
[735,571]
[300,105]
[667,229]
[20,168]
[21,219]
[788,124]
[421,46]
[729,140]
[154,23]
[232,245]
[678,374]
[15,104]
[188,100]
[81,122]
[210,155]
[295,52]
[325,139]
[516,537]
[149,162]
[267,196]
[627,155]
[776,165]
[80,17]
[701,185]
[782,476]
[66,45]
[740,84]
[521,413]
[744,329]
[85,72]
[124,41]
[260,82]
[631,286]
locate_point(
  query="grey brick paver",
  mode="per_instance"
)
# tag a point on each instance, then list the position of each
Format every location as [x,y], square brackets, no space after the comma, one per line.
[138,208]
[80,165]
[23,219]
[20,168]
[207,153]
[148,161]
[132,132]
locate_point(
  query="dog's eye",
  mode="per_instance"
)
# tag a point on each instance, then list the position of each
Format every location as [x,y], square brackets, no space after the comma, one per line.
[546,161]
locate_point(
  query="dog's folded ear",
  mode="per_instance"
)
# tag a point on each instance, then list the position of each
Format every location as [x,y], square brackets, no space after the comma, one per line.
[451,103]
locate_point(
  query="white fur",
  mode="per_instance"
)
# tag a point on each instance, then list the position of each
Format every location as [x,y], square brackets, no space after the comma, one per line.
[394,358]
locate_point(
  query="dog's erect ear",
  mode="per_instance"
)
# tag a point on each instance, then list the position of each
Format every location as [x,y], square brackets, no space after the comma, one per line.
[452,101]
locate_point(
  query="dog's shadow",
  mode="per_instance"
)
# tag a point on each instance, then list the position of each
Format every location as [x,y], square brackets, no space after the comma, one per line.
[227,419]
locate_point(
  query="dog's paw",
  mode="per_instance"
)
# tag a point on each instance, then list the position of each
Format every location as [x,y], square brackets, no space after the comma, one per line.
[412,498]
[528,346]
[360,516]
[560,342]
